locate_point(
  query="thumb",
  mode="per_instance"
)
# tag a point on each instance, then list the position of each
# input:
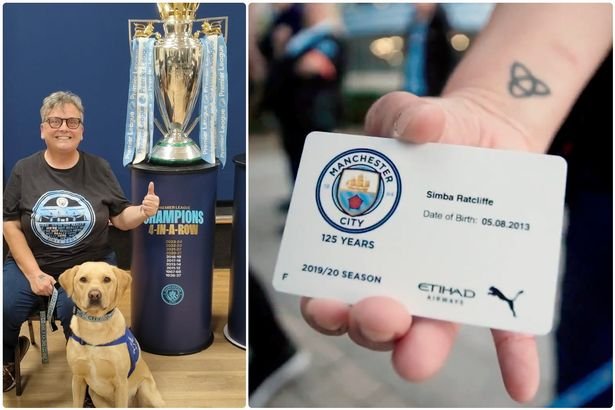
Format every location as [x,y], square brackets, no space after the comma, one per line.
[150,188]
[405,116]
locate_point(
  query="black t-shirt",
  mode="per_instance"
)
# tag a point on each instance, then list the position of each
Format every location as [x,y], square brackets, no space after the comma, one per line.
[64,213]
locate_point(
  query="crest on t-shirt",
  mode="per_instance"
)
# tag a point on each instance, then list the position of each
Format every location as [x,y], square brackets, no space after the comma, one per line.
[62,218]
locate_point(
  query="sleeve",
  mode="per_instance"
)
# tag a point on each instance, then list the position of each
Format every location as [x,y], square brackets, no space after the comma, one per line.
[12,195]
[114,197]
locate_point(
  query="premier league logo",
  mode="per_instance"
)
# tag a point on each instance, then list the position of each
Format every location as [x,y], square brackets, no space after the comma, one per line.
[358,190]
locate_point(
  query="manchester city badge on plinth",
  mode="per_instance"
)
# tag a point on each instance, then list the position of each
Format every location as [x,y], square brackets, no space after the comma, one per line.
[176,68]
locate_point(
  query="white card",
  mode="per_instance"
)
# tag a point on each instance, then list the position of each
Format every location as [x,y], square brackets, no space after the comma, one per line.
[463,234]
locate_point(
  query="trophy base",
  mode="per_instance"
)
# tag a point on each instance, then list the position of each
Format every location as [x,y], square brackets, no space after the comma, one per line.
[173,151]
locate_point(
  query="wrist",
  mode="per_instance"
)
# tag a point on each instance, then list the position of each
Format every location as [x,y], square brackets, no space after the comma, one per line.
[504,120]
[33,274]
[144,216]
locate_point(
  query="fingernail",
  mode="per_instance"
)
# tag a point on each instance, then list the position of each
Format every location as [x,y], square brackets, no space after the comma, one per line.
[397,126]
[400,124]
[372,335]
[327,327]
[334,330]
[339,331]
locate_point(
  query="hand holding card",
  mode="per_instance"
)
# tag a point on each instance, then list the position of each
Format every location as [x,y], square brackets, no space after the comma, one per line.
[481,107]
[425,226]
[470,235]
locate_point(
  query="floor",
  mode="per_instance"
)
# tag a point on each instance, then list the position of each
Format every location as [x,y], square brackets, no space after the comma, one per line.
[342,374]
[214,377]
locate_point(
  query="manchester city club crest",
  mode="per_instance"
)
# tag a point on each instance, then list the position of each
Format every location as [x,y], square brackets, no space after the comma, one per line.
[358,190]
[172,294]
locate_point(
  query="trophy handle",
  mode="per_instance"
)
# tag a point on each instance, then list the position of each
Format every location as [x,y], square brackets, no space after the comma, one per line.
[221,23]
[162,131]
[142,28]
[213,25]
[192,125]
[145,31]
[209,29]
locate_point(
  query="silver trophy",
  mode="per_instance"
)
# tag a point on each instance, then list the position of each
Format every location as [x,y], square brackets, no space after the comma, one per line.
[177,71]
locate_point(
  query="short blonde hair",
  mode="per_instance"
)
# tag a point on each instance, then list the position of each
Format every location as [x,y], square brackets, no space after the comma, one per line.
[60,98]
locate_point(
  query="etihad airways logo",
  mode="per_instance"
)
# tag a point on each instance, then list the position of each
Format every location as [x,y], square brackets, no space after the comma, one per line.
[446,294]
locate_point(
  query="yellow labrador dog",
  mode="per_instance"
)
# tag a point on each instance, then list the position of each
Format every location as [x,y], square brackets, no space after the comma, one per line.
[102,352]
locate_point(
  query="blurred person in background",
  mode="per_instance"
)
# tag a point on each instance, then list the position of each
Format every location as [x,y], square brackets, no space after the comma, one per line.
[257,65]
[304,52]
[533,68]
[429,56]
[300,62]
[585,332]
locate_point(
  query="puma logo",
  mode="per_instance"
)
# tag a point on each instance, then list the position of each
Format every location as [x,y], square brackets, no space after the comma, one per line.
[493,291]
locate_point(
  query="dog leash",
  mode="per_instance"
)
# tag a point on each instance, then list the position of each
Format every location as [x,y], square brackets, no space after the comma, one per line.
[48,316]
[44,352]
[52,305]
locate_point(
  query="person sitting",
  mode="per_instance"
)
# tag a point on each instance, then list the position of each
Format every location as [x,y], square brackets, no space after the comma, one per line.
[57,207]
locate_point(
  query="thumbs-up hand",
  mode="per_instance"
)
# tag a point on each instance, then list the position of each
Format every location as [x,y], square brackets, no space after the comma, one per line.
[150,203]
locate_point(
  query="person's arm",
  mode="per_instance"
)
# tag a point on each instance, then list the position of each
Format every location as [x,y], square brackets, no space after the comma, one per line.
[40,282]
[514,87]
[129,218]
[560,45]
[316,62]
[556,48]
[135,215]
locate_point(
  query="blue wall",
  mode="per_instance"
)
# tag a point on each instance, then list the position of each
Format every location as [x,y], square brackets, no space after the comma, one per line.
[84,48]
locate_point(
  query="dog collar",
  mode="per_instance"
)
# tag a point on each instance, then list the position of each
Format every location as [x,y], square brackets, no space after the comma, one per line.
[80,313]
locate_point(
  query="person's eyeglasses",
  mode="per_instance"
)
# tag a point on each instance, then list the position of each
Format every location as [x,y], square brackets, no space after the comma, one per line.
[56,122]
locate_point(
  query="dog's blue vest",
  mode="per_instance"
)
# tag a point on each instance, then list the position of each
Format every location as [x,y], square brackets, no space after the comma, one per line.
[131,344]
